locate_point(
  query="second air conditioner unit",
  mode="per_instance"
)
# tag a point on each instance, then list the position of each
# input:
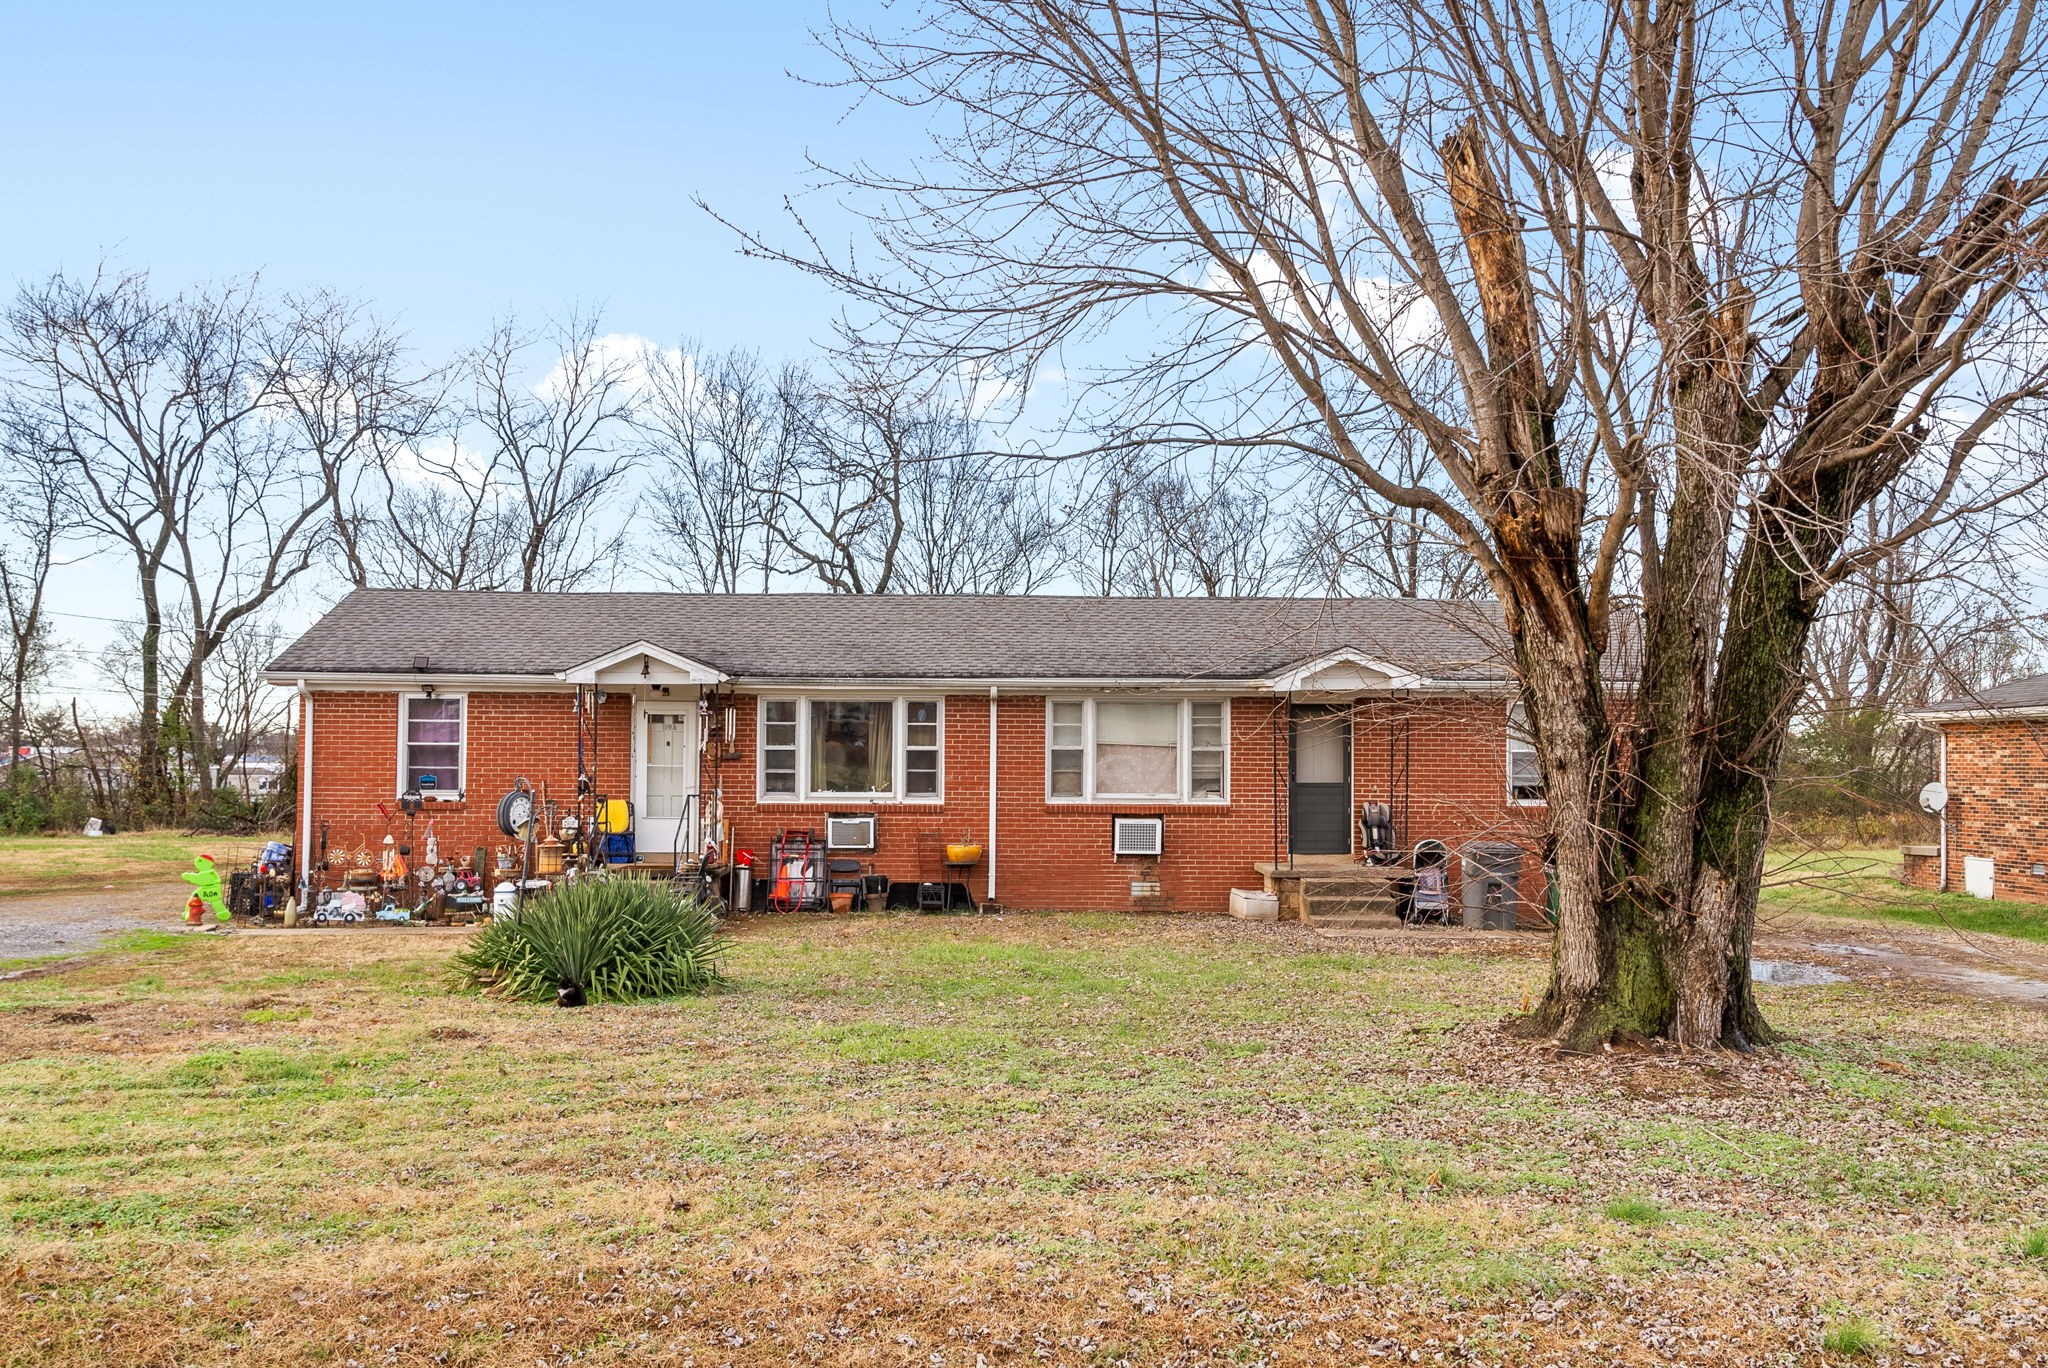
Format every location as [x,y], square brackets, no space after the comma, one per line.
[850,831]
[1143,836]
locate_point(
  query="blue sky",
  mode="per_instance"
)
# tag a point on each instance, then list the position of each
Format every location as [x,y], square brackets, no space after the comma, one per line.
[449,163]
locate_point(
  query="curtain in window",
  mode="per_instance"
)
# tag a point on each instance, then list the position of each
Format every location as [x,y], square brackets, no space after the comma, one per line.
[433,744]
[1137,749]
[851,745]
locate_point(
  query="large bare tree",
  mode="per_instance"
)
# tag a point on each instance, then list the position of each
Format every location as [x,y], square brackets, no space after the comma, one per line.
[207,436]
[1707,279]
[144,401]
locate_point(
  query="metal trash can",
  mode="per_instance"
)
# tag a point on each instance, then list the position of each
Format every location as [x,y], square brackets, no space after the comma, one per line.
[1493,874]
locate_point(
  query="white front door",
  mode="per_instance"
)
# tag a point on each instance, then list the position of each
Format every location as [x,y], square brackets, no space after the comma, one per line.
[664,777]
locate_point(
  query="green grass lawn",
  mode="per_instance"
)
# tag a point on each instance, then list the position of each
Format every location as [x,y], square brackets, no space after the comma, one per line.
[53,864]
[1865,883]
[1072,1140]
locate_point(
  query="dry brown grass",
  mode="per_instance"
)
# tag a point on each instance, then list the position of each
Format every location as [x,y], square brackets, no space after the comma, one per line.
[1069,1140]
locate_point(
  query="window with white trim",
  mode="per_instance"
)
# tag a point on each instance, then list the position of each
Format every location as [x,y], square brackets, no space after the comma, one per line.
[848,747]
[778,746]
[1139,750]
[921,747]
[430,744]
[1525,767]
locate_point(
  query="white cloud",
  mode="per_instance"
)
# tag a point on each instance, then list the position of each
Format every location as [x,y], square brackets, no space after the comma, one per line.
[439,463]
[630,353]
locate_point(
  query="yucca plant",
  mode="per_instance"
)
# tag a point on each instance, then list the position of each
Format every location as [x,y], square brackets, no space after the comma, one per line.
[599,940]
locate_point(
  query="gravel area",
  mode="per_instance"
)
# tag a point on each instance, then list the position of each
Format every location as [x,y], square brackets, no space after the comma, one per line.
[42,924]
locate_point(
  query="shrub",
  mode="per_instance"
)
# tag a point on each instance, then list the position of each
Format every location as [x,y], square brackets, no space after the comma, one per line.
[599,940]
[1852,1336]
[24,810]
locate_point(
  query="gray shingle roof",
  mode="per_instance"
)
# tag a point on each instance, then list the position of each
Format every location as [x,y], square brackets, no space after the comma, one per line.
[811,636]
[2031,692]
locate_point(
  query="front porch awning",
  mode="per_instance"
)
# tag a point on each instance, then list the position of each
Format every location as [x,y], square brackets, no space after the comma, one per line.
[1344,671]
[643,663]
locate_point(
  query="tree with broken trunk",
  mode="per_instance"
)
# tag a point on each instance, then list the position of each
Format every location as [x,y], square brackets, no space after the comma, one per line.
[1706,280]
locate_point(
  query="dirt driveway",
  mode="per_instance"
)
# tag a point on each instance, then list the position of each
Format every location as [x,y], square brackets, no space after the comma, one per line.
[39,924]
[1994,967]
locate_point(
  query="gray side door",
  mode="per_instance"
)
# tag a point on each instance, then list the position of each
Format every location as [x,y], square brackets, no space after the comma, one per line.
[1319,781]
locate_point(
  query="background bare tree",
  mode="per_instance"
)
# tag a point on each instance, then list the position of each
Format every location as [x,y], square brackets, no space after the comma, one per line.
[1947,617]
[142,398]
[1708,278]
[1153,528]
[31,520]
[557,451]
[713,426]
[209,435]
[507,471]
[880,488]
[1351,541]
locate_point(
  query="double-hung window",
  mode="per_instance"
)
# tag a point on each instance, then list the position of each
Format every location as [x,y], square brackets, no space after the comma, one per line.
[1525,767]
[842,747]
[1157,750]
[430,736]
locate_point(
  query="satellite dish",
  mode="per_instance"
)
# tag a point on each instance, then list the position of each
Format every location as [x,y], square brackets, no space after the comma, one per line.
[1934,797]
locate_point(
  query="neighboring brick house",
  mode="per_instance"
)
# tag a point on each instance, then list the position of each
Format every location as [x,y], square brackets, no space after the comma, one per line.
[1994,766]
[1254,729]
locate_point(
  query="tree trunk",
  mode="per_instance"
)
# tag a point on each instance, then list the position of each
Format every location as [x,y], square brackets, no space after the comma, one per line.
[197,722]
[152,787]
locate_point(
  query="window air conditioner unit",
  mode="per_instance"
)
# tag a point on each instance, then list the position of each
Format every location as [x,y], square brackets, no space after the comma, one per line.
[850,831]
[1137,835]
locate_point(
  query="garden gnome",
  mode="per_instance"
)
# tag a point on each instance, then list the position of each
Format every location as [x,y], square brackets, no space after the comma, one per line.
[206,885]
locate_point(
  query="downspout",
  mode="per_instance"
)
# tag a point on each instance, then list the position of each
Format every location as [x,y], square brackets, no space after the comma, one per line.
[991,895]
[306,795]
[1941,883]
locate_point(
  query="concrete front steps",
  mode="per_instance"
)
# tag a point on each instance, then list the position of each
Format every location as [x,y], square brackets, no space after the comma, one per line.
[1336,895]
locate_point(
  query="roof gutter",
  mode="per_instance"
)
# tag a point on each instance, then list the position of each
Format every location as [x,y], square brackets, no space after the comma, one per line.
[2029,712]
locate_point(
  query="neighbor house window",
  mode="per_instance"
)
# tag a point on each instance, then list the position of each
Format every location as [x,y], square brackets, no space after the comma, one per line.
[430,745]
[850,747]
[1156,750]
[1525,769]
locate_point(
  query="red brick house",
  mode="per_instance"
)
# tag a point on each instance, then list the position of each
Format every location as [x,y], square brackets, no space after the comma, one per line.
[1994,768]
[1253,730]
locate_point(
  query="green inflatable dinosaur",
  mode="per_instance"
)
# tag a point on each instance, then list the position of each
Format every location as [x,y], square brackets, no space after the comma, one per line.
[206,884]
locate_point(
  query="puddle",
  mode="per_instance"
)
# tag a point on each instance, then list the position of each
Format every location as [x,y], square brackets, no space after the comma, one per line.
[1847,949]
[1792,974]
